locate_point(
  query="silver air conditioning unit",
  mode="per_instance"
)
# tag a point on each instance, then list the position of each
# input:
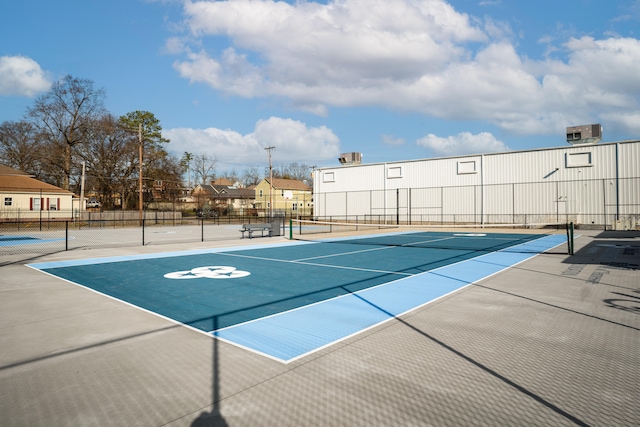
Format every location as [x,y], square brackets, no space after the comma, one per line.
[350,158]
[586,134]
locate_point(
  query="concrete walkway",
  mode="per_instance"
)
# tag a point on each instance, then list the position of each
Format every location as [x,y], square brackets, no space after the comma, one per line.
[553,341]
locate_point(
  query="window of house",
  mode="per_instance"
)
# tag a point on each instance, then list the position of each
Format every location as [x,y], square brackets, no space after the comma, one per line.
[8,201]
[53,204]
[260,193]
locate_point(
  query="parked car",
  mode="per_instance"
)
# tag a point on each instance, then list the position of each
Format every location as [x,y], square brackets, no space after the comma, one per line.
[205,213]
[93,203]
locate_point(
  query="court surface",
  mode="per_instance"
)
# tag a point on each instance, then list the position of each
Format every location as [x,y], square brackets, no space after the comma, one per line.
[288,300]
[14,240]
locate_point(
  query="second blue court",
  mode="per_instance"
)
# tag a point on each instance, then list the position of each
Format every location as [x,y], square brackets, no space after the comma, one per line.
[287,300]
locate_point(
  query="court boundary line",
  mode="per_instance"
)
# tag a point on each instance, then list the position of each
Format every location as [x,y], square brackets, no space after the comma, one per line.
[158,255]
[526,256]
[409,275]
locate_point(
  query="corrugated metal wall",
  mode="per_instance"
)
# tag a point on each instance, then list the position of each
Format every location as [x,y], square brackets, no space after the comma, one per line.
[590,184]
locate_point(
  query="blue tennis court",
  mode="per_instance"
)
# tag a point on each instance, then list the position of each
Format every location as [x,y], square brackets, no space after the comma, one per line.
[289,299]
[15,240]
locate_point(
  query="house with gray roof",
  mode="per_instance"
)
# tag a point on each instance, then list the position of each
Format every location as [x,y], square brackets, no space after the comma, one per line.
[223,199]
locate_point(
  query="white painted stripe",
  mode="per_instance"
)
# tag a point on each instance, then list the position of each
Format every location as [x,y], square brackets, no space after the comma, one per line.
[293,334]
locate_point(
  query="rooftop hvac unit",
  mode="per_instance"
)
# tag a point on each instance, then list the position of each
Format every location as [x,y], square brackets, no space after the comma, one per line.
[350,158]
[586,134]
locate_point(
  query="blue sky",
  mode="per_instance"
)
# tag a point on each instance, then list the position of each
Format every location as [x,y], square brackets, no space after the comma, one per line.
[392,79]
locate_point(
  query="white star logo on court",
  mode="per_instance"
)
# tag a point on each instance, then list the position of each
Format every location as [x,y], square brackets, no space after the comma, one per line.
[210,272]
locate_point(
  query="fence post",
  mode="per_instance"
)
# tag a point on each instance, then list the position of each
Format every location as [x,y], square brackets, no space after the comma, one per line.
[143,220]
[397,206]
[202,229]
[570,237]
[66,235]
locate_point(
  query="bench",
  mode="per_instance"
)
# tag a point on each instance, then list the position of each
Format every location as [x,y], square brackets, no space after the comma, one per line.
[251,228]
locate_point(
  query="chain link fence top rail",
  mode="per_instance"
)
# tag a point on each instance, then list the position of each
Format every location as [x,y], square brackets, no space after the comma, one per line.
[34,237]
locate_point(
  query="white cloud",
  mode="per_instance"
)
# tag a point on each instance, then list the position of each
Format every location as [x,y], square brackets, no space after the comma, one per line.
[392,140]
[463,143]
[233,72]
[407,55]
[176,45]
[308,51]
[21,76]
[294,141]
[621,123]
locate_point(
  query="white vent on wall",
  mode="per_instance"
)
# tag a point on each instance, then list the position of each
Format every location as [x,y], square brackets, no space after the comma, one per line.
[578,160]
[394,172]
[465,167]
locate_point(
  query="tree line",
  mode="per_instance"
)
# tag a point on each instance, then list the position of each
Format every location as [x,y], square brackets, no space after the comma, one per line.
[68,129]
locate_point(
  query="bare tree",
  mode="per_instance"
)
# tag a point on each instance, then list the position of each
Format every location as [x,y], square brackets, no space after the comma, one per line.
[203,169]
[20,147]
[294,171]
[300,172]
[111,157]
[64,115]
[232,176]
[185,162]
[251,176]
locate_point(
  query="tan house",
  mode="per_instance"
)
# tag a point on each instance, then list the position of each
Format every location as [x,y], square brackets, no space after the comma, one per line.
[288,197]
[24,197]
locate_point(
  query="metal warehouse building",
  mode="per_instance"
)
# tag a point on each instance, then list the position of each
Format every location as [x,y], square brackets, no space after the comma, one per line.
[589,184]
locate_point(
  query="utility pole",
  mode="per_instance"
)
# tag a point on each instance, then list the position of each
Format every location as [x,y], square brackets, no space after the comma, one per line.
[270,181]
[140,159]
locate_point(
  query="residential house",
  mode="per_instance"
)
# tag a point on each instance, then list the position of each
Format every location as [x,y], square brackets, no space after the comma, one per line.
[24,197]
[223,199]
[289,197]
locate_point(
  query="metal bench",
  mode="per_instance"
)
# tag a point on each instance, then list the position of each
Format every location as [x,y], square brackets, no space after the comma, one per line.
[251,228]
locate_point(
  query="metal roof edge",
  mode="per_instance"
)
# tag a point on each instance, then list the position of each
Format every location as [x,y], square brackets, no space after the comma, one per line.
[628,141]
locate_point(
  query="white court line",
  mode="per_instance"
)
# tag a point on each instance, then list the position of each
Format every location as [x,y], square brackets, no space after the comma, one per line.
[341,253]
[295,333]
[316,264]
[373,249]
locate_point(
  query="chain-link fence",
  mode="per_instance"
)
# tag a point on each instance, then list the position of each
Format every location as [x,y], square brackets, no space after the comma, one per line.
[603,203]
[101,230]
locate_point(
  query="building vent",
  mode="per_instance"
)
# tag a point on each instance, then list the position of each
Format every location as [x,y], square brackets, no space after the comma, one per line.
[586,134]
[350,158]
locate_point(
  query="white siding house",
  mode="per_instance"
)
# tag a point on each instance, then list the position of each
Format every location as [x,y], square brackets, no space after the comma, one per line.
[589,184]
[23,197]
